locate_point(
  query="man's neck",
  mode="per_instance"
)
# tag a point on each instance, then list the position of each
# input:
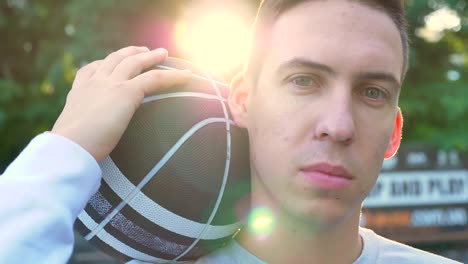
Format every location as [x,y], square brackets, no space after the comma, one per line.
[293,241]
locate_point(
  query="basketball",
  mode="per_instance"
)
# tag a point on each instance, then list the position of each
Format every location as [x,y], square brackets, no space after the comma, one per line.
[170,187]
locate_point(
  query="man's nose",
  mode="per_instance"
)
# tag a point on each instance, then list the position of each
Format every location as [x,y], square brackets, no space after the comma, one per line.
[336,121]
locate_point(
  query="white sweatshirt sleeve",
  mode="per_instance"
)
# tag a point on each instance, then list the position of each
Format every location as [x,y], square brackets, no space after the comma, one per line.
[41,194]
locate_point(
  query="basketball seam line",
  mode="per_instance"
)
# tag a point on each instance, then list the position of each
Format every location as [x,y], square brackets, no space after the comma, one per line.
[119,245]
[118,179]
[152,173]
[226,168]
[182,94]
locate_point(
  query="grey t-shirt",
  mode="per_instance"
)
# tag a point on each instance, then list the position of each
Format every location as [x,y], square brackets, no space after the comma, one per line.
[377,249]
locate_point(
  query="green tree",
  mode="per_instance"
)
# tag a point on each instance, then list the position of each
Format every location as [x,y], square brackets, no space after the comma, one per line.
[434,98]
[47,41]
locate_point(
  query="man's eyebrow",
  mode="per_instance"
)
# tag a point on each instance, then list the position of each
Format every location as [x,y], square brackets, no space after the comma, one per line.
[299,62]
[382,76]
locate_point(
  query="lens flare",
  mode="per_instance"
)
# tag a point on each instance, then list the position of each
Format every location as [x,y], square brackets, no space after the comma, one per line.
[261,221]
[215,39]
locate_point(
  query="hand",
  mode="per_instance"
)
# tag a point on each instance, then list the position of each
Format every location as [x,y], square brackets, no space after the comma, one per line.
[106,93]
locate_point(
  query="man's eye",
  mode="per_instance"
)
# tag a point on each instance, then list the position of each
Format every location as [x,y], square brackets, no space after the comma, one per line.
[375,93]
[303,81]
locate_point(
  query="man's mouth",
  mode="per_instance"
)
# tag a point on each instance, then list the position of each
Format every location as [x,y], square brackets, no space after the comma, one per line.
[327,176]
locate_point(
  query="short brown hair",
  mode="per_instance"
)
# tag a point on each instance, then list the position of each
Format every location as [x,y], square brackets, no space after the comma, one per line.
[270,10]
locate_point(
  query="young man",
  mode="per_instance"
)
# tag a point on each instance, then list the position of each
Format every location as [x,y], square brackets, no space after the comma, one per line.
[319,99]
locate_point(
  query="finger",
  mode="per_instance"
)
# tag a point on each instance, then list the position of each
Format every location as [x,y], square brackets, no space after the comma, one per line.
[85,73]
[113,59]
[134,65]
[149,82]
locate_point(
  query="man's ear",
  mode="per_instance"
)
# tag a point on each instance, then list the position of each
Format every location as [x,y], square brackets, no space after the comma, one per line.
[237,99]
[395,140]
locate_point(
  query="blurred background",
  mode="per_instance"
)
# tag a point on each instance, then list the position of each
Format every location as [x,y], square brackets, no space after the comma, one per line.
[421,197]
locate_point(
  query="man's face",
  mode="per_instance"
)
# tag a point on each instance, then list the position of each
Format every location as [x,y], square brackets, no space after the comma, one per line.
[324,105]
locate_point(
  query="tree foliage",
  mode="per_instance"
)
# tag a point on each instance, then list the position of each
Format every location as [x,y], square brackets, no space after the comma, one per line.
[45,41]
[434,97]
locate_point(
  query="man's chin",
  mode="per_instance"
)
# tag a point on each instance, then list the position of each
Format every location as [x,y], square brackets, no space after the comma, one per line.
[320,215]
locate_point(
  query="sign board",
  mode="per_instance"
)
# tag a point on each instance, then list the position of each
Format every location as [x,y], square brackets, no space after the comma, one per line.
[421,195]
[416,188]
[419,224]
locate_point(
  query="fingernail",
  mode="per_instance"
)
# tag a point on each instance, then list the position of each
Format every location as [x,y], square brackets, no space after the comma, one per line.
[161,51]
[143,48]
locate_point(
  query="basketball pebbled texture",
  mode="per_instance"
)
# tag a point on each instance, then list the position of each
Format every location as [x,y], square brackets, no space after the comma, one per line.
[170,187]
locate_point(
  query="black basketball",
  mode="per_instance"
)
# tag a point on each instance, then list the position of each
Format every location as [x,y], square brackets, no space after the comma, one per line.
[170,187]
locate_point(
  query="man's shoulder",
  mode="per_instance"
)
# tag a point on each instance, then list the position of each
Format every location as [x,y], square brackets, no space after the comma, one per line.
[389,251]
[219,256]
[377,249]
